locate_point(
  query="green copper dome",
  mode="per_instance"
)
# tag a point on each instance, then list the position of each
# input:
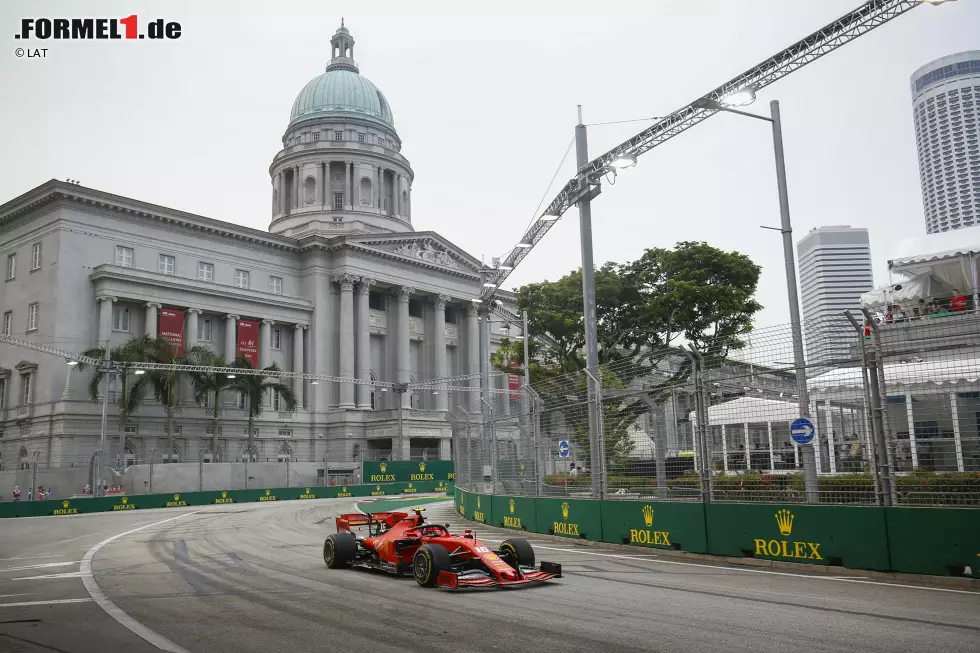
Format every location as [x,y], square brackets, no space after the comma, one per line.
[341,93]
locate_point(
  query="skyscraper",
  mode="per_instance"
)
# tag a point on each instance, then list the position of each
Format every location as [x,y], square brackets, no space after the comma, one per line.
[835,270]
[946,109]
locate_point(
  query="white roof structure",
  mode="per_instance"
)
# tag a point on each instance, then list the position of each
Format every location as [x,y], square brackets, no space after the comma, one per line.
[958,372]
[920,286]
[951,256]
[752,410]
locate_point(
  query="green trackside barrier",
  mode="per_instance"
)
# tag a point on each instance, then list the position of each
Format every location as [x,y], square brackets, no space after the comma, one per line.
[938,541]
[846,536]
[451,488]
[515,513]
[579,518]
[17,509]
[397,471]
[661,525]
[396,504]
[481,508]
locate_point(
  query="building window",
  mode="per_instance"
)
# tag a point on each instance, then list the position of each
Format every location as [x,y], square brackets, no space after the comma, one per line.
[241,400]
[338,201]
[27,394]
[3,393]
[124,256]
[376,301]
[360,138]
[276,400]
[209,430]
[11,266]
[177,430]
[241,278]
[204,329]
[277,338]
[36,257]
[285,433]
[205,400]
[132,429]
[166,264]
[120,318]
[8,321]
[316,137]
[309,190]
[366,194]
[32,317]
[275,285]
[205,272]
[338,136]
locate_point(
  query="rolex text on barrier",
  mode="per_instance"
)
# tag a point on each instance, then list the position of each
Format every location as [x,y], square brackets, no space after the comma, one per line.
[515,513]
[405,471]
[662,525]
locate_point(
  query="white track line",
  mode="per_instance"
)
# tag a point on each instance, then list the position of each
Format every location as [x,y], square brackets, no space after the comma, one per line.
[113,610]
[70,574]
[45,565]
[58,555]
[24,604]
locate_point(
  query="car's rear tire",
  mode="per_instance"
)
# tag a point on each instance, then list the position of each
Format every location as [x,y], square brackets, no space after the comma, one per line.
[429,561]
[339,550]
[518,552]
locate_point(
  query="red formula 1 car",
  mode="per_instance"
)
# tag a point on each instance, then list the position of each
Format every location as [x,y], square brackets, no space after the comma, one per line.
[402,543]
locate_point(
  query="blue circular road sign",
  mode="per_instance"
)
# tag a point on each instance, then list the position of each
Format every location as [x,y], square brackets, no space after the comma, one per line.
[801,430]
[563,448]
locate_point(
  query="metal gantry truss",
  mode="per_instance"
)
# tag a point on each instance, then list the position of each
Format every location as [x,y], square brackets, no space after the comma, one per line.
[845,29]
[447,383]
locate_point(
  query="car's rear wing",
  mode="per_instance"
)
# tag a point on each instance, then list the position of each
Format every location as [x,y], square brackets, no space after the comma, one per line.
[351,520]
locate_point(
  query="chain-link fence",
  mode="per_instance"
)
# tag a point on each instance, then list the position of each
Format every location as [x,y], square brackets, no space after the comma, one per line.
[894,402]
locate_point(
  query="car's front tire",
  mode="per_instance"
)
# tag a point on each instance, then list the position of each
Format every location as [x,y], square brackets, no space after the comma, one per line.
[517,552]
[339,550]
[429,561]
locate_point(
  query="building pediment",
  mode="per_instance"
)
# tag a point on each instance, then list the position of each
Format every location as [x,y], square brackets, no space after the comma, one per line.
[25,367]
[426,248]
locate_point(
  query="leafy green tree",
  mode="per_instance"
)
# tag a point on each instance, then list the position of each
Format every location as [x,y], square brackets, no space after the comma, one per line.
[135,350]
[164,383]
[255,387]
[209,386]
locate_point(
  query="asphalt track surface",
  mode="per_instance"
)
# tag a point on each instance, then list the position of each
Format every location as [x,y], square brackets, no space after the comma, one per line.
[250,577]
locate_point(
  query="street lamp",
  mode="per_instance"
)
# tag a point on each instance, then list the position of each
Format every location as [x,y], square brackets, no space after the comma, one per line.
[746,96]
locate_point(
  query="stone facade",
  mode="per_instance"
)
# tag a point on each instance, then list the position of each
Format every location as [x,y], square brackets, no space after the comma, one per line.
[348,291]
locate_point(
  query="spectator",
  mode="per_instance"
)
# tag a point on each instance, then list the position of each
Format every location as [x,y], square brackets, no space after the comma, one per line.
[30,495]
[889,316]
[87,490]
[958,302]
[40,493]
[933,307]
[16,493]
[867,328]
[47,493]
[574,471]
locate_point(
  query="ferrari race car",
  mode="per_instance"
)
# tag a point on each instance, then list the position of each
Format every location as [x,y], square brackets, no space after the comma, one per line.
[401,543]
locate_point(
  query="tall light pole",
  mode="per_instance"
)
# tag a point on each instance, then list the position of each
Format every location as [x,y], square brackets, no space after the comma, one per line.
[747,96]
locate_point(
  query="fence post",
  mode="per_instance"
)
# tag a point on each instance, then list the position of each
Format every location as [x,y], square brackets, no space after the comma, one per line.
[153,453]
[877,409]
[867,401]
[701,412]
[535,419]
[200,470]
[596,409]
[289,457]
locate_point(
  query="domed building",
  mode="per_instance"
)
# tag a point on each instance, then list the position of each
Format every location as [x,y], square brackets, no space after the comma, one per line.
[342,287]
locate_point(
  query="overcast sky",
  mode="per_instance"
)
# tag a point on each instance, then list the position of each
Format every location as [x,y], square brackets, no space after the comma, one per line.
[484,101]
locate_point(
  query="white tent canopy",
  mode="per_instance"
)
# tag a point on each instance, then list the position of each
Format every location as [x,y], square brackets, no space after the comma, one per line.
[921,286]
[951,257]
[965,371]
[752,410]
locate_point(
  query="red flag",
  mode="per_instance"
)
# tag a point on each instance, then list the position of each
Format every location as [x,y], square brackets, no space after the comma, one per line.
[172,329]
[248,341]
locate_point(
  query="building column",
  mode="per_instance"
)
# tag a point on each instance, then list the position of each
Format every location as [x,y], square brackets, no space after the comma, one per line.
[398,193]
[279,193]
[748,446]
[403,343]
[299,385]
[320,335]
[350,186]
[265,340]
[724,448]
[105,318]
[772,453]
[296,185]
[445,450]
[913,445]
[190,338]
[377,187]
[364,343]
[439,344]
[346,283]
[473,355]
[957,436]
[231,328]
[152,320]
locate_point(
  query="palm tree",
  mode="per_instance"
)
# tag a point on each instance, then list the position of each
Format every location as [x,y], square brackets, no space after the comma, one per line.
[165,383]
[255,387]
[134,350]
[207,384]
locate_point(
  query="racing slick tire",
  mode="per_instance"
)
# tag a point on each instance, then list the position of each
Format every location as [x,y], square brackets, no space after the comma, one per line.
[518,552]
[339,550]
[429,561]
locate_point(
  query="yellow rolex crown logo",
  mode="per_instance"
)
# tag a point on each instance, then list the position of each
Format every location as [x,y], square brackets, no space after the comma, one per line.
[307,490]
[409,485]
[268,492]
[512,506]
[564,510]
[176,497]
[648,516]
[64,504]
[478,503]
[125,499]
[224,495]
[421,467]
[384,467]
[343,489]
[784,519]
[377,488]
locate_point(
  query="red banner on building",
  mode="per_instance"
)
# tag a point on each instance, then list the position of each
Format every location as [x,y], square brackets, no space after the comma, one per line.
[248,341]
[514,383]
[172,329]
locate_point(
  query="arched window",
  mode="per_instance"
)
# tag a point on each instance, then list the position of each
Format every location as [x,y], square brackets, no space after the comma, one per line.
[129,456]
[250,455]
[172,457]
[24,463]
[285,453]
[310,190]
[366,195]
